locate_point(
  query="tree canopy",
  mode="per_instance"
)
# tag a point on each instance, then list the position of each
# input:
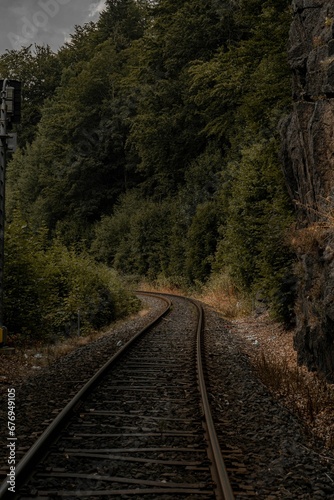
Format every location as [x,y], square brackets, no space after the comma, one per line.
[150,140]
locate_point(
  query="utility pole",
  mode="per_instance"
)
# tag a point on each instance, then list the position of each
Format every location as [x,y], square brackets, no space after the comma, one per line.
[10,111]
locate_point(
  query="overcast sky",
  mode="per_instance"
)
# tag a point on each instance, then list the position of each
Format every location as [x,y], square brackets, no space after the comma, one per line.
[23,22]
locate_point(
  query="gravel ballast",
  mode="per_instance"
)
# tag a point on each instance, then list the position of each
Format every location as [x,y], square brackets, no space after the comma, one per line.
[42,393]
[282,462]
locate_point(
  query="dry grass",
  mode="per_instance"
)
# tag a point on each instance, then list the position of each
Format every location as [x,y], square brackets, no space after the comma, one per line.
[327,62]
[219,292]
[270,350]
[26,359]
[304,393]
[309,394]
[307,240]
[329,22]
[222,295]
[318,41]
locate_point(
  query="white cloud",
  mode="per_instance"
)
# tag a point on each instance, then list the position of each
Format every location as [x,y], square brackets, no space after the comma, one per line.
[96,8]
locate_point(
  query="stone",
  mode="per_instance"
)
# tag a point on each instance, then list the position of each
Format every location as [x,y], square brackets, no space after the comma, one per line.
[308,164]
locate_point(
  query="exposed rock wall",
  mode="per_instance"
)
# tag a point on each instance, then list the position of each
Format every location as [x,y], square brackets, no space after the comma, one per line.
[308,157]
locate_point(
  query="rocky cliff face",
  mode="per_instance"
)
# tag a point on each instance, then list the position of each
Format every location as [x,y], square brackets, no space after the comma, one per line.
[308,157]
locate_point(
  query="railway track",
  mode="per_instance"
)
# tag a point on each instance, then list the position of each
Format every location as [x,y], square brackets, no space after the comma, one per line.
[140,428]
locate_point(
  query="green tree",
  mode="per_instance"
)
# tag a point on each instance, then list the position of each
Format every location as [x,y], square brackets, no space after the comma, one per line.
[166,130]
[253,247]
[39,71]
[77,164]
[158,150]
[123,21]
[201,242]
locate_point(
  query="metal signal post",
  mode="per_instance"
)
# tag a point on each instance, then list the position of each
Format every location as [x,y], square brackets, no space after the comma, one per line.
[9,113]
[3,163]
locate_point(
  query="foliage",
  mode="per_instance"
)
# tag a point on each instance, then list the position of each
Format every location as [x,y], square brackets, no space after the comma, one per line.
[202,241]
[252,247]
[76,164]
[135,238]
[39,71]
[155,147]
[47,285]
[172,239]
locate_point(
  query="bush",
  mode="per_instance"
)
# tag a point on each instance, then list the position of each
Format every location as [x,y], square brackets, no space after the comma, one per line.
[135,238]
[47,285]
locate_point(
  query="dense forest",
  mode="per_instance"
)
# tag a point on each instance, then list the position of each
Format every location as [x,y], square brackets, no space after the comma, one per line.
[149,148]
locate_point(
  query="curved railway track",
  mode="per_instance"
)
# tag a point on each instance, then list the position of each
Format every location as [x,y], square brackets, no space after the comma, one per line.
[140,428]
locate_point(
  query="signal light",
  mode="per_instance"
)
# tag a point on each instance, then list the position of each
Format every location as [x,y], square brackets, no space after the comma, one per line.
[13,100]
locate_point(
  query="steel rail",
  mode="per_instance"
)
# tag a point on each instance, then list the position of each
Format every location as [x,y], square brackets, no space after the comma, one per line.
[219,472]
[39,448]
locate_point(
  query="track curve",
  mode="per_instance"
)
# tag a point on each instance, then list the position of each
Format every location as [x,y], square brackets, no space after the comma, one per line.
[137,400]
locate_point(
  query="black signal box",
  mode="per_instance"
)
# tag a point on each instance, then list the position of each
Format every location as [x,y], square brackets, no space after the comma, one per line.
[13,98]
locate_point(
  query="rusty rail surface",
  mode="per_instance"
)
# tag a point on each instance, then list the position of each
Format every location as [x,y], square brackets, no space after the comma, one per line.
[219,472]
[221,488]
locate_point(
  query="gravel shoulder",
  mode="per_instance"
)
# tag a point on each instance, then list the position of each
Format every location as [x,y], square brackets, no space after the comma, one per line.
[282,459]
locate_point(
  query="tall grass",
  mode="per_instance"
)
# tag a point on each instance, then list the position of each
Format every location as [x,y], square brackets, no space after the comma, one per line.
[306,394]
[221,293]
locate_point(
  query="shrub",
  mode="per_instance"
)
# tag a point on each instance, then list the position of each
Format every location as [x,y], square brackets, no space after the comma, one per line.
[47,285]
